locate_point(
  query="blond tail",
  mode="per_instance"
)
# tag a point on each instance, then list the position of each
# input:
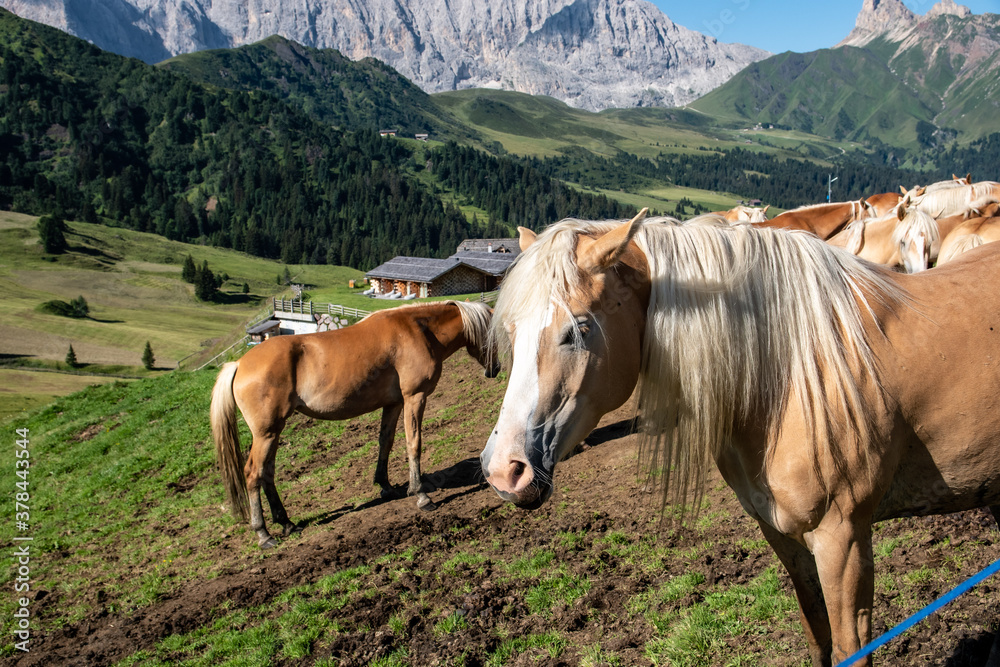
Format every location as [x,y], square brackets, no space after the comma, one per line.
[226,434]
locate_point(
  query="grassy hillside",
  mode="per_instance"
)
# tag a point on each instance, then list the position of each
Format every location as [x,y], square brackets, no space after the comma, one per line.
[539,126]
[936,85]
[822,92]
[132,284]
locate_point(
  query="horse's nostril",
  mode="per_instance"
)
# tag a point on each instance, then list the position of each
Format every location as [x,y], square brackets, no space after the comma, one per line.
[516,469]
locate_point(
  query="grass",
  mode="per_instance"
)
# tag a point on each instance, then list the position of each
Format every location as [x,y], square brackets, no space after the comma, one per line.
[698,634]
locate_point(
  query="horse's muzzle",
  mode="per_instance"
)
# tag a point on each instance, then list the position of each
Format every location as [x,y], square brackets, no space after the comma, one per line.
[530,498]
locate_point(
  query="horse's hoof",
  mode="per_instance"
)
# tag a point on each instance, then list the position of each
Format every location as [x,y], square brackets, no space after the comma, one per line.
[291,528]
[426,504]
[269,543]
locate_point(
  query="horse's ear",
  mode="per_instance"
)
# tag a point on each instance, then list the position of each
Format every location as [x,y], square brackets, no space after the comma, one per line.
[608,249]
[901,210]
[526,238]
[968,178]
[919,191]
[902,189]
[765,208]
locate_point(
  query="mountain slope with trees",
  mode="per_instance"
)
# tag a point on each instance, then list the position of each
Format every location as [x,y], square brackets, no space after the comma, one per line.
[89,135]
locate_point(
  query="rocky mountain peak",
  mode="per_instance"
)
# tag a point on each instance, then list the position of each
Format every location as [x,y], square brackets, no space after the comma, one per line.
[949,7]
[877,18]
[593,54]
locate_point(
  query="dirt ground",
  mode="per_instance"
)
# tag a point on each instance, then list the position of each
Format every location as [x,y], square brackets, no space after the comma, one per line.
[598,492]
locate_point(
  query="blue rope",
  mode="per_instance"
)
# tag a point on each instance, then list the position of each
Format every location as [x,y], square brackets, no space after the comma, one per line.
[948,597]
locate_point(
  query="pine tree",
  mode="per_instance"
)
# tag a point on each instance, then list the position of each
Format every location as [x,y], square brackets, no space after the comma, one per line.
[147,357]
[71,358]
[189,270]
[246,288]
[50,232]
[80,307]
[204,283]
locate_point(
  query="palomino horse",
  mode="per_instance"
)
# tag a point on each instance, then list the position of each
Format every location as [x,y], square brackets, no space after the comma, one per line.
[970,234]
[884,203]
[745,214]
[900,238]
[832,393]
[947,201]
[919,246]
[390,360]
[823,220]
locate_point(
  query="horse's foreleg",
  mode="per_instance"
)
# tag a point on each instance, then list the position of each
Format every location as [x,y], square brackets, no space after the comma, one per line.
[801,568]
[413,416]
[843,550]
[386,436]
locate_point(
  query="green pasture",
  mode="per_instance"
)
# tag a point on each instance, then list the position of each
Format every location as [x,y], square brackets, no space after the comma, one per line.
[132,284]
[541,127]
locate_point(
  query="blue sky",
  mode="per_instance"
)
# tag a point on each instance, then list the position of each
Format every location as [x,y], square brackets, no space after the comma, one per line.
[784,25]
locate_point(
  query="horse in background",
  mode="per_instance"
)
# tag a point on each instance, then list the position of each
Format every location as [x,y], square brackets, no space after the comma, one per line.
[884,203]
[831,393]
[969,234]
[951,200]
[744,214]
[823,220]
[900,238]
[389,360]
[921,245]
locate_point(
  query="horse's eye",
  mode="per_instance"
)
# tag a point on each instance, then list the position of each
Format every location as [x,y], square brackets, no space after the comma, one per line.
[575,332]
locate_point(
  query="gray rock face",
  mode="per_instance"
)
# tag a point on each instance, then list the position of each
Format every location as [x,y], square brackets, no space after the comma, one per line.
[880,17]
[592,54]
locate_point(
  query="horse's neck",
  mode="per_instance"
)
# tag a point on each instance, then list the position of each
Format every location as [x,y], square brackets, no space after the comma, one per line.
[827,223]
[946,225]
[445,324]
[879,246]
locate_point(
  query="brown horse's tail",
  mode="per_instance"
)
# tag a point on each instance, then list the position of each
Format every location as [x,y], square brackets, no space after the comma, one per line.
[225,432]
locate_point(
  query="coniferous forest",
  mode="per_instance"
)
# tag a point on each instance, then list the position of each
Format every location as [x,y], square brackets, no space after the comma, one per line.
[271,171]
[89,135]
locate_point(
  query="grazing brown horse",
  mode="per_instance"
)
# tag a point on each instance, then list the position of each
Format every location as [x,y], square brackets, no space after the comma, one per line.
[823,220]
[903,237]
[831,393]
[390,360]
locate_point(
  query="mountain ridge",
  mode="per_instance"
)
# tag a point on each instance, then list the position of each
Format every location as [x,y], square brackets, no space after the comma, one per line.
[898,78]
[592,54]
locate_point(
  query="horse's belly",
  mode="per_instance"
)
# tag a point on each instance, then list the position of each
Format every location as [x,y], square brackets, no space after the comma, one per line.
[952,478]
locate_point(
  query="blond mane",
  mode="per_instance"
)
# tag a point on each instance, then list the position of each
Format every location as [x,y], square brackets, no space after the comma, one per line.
[476,318]
[740,321]
[914,223]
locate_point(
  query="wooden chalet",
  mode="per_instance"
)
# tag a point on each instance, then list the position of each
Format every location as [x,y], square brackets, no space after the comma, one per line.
[462,273]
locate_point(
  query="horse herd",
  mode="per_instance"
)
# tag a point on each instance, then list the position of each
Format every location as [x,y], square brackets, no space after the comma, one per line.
[830,390]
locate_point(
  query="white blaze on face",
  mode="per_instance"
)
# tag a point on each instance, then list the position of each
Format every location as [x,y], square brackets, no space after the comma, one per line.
[507,443]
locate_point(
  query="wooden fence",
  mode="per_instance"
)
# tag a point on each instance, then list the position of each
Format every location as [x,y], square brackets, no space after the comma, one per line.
[311,308]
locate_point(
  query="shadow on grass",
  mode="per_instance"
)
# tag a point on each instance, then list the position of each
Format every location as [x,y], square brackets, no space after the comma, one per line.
[467,473]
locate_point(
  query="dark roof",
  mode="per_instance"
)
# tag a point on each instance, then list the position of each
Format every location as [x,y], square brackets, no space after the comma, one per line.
[426,269]
[417,269]
[512,246]
[266,325]
[493,263]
